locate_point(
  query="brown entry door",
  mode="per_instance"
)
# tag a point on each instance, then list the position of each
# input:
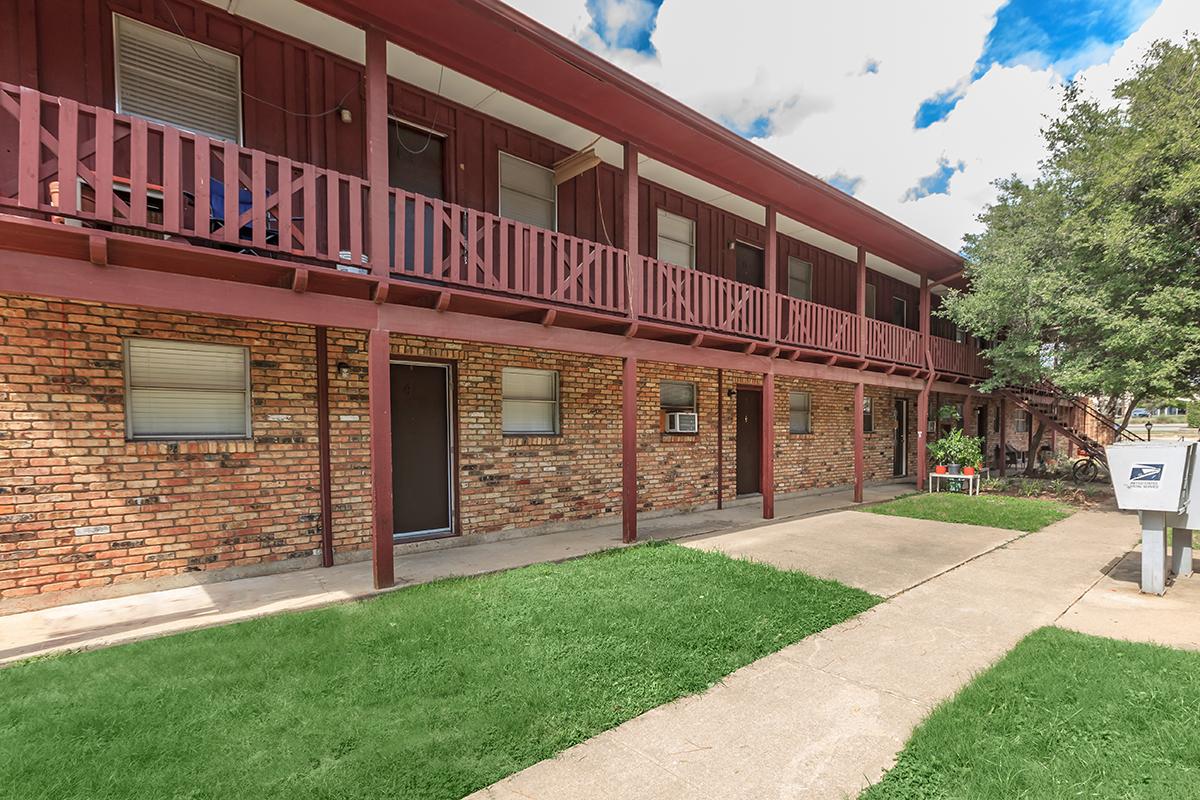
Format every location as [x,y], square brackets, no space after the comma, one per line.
[900,446]
[749,265]
[422,496]
[749,441]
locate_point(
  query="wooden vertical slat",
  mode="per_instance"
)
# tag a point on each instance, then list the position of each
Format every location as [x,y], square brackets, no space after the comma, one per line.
[455,256]
[138,143]
[104,165]
[258,198]
[439,235]
[203,172]
[68,156]
[232,184]
[309,226]
[29,148]
[284,208]
[489,262]
[172,191]
[333,217]
[357,229]
[420,211]
[401,209]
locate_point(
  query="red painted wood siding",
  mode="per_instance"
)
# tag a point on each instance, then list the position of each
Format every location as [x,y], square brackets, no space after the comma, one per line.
[305,80]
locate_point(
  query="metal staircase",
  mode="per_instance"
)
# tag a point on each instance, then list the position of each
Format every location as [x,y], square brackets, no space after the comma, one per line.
[1053,407]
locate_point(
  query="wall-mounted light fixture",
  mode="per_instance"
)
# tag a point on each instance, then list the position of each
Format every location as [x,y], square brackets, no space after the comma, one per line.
[343,369]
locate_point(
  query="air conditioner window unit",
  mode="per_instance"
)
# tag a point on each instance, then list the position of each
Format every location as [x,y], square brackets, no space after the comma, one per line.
[683,422]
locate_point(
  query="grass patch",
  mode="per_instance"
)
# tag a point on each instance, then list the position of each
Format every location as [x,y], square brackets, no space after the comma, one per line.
[1063,715]
[1013,513]
[429,692]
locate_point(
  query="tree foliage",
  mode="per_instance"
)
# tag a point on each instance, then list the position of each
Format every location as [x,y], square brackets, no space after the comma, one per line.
[1090,275]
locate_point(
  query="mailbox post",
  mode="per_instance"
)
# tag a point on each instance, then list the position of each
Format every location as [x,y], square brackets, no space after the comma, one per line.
[1155,479]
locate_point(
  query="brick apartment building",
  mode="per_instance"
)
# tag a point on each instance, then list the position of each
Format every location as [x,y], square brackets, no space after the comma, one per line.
[479,281]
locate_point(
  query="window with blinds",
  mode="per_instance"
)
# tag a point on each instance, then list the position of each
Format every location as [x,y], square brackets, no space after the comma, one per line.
[527,192]
[173,80]
[800,412]
[186,390]
[676,239]
[676,396]
[799,278]
[868,414]
[530,401]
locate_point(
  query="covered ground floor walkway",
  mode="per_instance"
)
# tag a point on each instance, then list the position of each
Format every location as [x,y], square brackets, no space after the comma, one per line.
[100,623]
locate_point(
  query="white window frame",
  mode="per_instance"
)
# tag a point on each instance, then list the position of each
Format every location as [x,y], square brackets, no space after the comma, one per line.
[1024,422]
[500,185]
[808,282]
[793,410]
[555,402]
[127,361]
[199,48]
[870,304]
[662,212]
[868,414]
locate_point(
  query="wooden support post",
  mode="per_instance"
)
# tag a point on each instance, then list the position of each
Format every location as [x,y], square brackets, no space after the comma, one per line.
[860,300]
[968,409]
[377,152]
[771,257]
[629,499]
[1003,438]
[379,403]
[859,443]
[767,462]
[633,261]
[323,447]
[925,311]
[922,438]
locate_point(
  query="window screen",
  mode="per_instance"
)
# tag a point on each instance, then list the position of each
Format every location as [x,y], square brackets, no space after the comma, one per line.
[527,192]
[186,390]
[676,239]
[800,412]
[167,78]
[530,400]
[868,412]
[799,279]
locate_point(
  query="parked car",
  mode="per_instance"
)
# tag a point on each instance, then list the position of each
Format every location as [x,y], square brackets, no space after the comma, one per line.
[1141,412]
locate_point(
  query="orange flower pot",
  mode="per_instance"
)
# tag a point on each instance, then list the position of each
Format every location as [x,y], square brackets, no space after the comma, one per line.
[968,470]
[940,469]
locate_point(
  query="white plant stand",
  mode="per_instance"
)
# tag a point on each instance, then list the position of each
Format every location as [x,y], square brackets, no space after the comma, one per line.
[938,480]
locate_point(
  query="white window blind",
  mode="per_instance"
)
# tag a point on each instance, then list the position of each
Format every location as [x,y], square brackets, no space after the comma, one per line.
[800,412]
[676,239]
[530,401]
[185,390]
[799,278]
[527,192]
[173,80]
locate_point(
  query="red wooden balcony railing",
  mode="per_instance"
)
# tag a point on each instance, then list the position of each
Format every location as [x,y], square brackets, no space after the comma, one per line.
[888,342]
[951,356]
[689,297]
[86,165]
[808,324]
[434,240]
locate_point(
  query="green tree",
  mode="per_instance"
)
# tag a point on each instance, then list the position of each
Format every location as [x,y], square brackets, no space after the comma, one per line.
[1090,275]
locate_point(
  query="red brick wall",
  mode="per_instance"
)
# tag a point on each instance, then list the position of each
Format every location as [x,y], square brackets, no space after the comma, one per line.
[81,508]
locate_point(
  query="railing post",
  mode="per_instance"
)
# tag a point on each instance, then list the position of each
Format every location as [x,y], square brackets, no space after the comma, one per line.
[633,264]
[771,256]
[860,303]
[377,151]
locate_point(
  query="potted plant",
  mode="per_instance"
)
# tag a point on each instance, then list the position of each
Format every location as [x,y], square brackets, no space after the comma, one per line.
[971,454]
[939,450]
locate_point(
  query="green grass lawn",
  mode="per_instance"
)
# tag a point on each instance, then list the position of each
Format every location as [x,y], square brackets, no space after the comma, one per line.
[996,511]
[428,692]
[1063,715]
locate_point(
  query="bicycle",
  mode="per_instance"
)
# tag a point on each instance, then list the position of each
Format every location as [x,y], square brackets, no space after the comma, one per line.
[1087,469]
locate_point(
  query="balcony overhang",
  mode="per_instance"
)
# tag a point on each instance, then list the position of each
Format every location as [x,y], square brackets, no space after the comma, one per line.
[492,43]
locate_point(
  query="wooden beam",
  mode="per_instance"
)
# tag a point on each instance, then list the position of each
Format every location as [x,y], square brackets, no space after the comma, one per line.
[98,250]
[859,442]
[922,438]
[860,299]
[377,151]
[325,467]
[548,317]
[633,263]
[300,281]
[379,404]
[767,460]
[629,499]
[770,257]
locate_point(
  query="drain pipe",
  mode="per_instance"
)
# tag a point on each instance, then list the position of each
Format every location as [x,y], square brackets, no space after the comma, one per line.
[323,446]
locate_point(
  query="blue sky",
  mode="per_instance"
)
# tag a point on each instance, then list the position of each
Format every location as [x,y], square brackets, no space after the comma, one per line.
[1066,35]
[914,106]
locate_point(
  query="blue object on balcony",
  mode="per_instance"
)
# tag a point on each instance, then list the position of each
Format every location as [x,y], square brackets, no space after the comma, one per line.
[216,203]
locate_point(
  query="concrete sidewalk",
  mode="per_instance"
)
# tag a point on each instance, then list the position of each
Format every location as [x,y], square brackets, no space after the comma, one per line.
[99,623]
[826,717]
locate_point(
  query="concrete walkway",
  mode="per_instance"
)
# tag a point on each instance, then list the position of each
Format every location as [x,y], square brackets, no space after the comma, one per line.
[826,717]
[99,623]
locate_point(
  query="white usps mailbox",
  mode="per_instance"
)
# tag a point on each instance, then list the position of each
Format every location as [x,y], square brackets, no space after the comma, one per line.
[1155,479]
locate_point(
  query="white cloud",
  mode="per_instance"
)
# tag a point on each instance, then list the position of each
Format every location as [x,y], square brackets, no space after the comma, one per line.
[804,62]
